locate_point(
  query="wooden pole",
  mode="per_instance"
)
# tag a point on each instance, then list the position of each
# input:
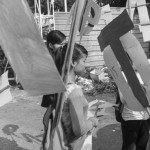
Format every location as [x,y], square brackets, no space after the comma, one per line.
[40,18]
[48,8]
[53,12]
[129,8]
[65,4]
[35,6]
[67,62]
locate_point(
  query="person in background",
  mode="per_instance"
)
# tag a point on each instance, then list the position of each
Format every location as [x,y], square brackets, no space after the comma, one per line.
[55,40]
[134,125]
[74,113]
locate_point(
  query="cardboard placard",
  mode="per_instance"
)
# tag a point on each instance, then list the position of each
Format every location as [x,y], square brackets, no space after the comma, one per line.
[28,55]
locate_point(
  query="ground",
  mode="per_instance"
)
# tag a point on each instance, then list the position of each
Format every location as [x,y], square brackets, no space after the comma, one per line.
[21,125]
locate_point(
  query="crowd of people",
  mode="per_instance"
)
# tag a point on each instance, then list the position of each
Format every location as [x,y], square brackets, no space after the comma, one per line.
[76,125]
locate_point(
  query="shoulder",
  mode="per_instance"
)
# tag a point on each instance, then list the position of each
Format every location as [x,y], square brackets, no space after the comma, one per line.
[74,91]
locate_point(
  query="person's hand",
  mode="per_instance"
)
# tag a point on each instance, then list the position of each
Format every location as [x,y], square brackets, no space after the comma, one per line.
[94,121]
[103,76]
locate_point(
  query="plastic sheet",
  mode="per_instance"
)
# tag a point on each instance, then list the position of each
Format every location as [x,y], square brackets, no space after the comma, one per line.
[26,52]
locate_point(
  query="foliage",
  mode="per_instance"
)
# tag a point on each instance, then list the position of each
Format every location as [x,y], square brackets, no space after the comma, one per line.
[43,6]
[69,4]
[93,88]
[112,3]
[58,5]
[85,84]
[104,87]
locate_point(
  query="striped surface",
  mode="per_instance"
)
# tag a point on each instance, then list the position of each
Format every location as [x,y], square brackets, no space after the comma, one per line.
[95,58]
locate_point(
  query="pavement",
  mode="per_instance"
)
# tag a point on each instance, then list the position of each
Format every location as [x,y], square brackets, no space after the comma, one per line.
[21,126]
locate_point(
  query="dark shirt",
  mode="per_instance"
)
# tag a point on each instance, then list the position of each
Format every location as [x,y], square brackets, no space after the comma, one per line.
[58,58]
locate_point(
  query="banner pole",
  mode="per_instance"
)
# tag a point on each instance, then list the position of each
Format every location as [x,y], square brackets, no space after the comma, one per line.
[67,63]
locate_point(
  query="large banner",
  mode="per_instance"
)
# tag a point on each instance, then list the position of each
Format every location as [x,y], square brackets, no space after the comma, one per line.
[23,46]
[122,52]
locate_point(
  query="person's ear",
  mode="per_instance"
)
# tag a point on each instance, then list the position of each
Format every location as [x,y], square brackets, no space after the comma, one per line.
[51,45]
[73,64]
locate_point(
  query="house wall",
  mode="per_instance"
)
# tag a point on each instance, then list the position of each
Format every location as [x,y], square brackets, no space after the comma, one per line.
[95,58]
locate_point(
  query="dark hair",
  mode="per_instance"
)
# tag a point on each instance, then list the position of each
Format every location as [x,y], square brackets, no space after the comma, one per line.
[59,58]
[78,53]
[55,37]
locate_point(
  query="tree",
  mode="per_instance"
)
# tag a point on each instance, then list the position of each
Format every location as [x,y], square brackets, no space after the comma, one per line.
[43,6]
[59,4]
[69,4]
[112,3]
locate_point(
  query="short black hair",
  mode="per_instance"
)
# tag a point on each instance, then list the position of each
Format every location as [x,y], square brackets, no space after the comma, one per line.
[55,37]
[78,51]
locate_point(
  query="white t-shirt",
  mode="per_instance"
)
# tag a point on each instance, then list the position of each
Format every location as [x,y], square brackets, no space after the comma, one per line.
[129,114]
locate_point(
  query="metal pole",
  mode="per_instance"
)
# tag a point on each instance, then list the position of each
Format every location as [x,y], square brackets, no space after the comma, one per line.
[65,4]
[40,18]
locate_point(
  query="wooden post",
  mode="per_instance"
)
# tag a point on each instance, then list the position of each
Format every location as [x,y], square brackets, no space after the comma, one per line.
[53,12]
[129,8]
[48,8]
[34,6]
[65,4]
[66,67]
[40,17]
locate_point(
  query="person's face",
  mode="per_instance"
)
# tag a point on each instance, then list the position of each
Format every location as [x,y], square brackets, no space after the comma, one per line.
[79,66]
[57,46]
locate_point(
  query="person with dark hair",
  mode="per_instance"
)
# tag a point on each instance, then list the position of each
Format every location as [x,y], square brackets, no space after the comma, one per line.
[74,119]
[134,124]
[55,40]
